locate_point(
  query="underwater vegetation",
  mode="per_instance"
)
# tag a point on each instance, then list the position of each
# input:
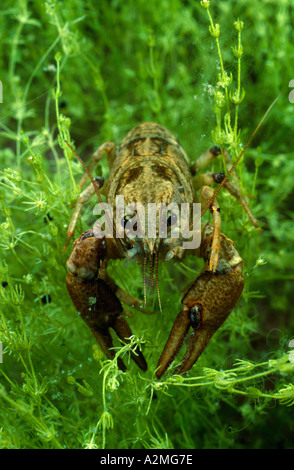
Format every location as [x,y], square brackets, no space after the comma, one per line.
[86,72]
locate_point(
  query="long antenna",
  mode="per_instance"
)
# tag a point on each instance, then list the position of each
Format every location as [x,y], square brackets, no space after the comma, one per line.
[235,164]
[87,171]
[92,181]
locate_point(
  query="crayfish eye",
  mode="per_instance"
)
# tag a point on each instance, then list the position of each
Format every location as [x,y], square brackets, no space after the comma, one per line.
[126,219]
[171,220]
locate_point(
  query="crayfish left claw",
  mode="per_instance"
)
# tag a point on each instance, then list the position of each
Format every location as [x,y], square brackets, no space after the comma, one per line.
[102,310]
[96,301]
[206,306]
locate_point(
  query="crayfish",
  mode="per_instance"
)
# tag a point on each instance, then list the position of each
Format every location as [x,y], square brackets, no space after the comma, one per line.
[151,167]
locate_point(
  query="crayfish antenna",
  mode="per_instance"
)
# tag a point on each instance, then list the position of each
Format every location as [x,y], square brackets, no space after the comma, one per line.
[208,205]
[87,171]
[157,281]
[144,280]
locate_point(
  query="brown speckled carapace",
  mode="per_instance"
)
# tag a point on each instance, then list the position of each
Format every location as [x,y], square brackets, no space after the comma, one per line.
[150,166]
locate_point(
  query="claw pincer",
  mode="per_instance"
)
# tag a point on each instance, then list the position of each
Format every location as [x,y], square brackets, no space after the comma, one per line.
[94,299]
[206,306]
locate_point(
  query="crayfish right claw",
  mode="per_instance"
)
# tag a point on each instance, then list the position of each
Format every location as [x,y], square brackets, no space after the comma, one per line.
[206,306]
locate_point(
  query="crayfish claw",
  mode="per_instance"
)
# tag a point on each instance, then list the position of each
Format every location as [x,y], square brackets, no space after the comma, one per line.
[206,306]
[174,343]
[124,332]
[101,310]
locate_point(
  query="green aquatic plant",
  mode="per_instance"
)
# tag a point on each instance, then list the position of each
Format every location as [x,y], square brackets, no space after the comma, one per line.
[85,73]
